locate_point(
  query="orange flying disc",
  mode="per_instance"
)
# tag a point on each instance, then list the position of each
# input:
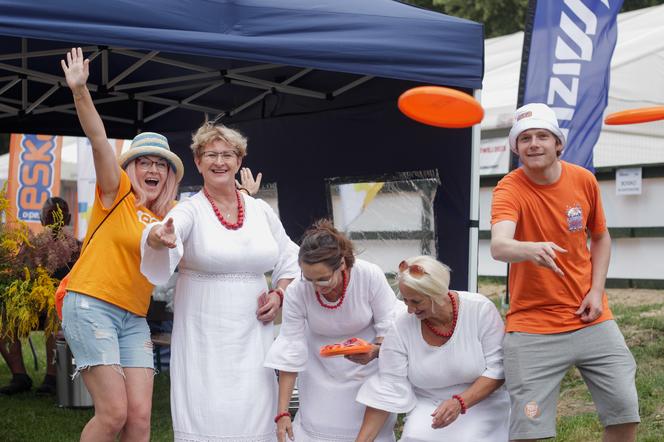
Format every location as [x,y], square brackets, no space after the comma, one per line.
[634,116]
[349,347]
[441,107]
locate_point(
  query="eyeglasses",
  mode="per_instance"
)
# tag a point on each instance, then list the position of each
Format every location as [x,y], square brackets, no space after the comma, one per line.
[225,156]
[321,282]
[414,270]
[146,164]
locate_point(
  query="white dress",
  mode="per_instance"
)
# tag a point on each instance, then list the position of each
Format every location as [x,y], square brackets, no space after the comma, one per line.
[220,390]
[415,377]
[328,386]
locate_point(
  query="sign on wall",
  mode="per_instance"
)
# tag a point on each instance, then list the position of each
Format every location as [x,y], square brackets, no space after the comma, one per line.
[494,156]
[34,175]
[629,181]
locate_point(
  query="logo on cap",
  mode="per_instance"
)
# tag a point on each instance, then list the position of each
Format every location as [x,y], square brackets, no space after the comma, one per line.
[524,115]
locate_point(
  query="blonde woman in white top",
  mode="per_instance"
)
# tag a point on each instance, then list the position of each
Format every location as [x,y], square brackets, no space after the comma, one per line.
[442,363]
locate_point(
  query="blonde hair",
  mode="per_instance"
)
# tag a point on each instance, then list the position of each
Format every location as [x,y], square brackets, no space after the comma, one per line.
[164,202]
[209,133]
[435,283]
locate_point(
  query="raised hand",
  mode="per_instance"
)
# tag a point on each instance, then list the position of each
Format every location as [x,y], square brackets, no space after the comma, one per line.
[248,182]
[76,69]
[162,235]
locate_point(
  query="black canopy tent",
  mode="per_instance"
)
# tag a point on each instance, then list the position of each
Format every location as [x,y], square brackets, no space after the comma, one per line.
[314,85]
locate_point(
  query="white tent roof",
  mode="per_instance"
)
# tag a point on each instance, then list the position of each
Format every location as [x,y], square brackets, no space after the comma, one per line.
[637,80]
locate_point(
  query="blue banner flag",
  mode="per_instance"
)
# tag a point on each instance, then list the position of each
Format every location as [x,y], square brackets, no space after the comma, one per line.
[569,63]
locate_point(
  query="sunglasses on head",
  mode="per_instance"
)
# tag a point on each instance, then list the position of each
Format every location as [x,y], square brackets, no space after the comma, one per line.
[414,270]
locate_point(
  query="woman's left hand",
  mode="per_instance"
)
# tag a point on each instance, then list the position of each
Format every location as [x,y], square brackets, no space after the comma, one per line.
[269,310]
[364,358]
[248,182]
[446,413]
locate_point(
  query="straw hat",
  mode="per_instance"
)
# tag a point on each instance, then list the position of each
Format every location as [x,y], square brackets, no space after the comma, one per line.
[151,143]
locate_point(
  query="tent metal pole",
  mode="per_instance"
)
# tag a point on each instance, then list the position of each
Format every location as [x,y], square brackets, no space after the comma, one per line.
[352,85]
[10,85]
[104,67]
[48,53]
[24,65]
[11,110]
[278,86]
[67,106]
[184,87]
[132,68]
[262,95]
[162,60]
[474,216]
[185,101]
[167,102]
[182,78]
[41,99]
[38,76]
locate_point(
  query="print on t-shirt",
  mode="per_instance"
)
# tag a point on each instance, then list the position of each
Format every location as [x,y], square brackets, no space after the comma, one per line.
[574,218]
[145,218]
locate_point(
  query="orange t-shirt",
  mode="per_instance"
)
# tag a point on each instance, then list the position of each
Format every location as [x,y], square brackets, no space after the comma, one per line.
[109,267]
[563,212]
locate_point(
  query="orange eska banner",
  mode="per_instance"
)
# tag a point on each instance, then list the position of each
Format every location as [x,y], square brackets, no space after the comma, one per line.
[34,175]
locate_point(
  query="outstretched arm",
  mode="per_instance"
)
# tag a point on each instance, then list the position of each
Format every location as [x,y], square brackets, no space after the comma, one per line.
[505,248]
[76,70]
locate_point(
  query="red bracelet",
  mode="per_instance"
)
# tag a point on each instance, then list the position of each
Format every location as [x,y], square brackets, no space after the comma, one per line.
[279,291]
[280,415]
[461,402]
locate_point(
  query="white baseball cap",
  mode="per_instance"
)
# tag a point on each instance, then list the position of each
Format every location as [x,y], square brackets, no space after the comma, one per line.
[534,116]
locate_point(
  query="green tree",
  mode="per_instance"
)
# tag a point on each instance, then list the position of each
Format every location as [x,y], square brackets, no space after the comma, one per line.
[501,17]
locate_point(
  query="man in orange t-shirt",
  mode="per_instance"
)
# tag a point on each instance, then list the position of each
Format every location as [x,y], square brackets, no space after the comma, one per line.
[542,214]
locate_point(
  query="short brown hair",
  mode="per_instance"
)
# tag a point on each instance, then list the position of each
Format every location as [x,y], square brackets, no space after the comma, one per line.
[323,243]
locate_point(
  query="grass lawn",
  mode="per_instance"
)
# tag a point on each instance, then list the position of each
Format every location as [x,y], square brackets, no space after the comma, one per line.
[640,314]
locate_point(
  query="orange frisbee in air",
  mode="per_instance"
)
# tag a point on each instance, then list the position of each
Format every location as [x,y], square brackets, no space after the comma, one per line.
[349,347]
[441,107]
[634,116]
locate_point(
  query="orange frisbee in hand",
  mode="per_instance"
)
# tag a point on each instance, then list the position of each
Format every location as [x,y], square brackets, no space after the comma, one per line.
[349,347]
[441,107]
[634,116]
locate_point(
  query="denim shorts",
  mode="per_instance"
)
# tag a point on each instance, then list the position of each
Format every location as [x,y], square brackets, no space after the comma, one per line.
[99,333]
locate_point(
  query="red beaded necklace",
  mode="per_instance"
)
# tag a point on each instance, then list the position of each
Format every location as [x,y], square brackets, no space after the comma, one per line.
[220,217]
[341,298]
[455,315]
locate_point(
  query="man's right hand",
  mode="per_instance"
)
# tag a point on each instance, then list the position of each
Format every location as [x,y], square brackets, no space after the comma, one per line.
[544,254]
[162,235]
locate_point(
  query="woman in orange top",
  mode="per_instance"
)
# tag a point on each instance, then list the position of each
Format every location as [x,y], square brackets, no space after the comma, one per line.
[107,299]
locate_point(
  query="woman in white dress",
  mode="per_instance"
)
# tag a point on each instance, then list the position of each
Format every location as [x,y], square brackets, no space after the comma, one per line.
[223,243]
[337,298]
[442,363]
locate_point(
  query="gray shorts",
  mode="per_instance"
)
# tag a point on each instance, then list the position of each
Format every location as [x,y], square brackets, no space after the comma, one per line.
[535,364]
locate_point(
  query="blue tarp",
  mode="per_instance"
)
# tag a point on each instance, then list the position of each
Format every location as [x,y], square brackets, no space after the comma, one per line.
[376,37]
[296,141]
